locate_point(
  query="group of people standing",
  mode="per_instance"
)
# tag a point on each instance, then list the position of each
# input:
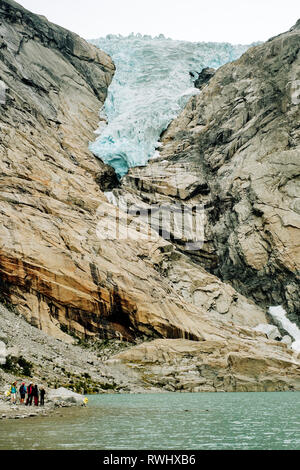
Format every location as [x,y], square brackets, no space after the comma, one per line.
[32,391]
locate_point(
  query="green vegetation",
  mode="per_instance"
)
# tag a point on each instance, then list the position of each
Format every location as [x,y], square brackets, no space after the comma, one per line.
[18,365]
[83,384]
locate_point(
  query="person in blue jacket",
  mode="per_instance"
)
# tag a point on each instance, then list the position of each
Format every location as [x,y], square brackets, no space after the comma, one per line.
[23,391]
[13,392]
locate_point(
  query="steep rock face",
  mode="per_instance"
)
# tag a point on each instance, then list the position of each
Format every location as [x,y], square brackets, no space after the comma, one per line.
[179,271]
[57,363]
[235,148]
[63,258]
[55,265]
[55,84]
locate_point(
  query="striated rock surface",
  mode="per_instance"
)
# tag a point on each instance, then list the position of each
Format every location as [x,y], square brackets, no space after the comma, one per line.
[54,265]
[235,149]
[70,262]
[271,331]
[247,365]
[55,84]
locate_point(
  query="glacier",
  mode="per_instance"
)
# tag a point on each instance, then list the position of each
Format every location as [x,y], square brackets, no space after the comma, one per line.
[151,86]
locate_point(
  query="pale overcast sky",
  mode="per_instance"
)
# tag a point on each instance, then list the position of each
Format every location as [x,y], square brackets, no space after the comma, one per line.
[235,21]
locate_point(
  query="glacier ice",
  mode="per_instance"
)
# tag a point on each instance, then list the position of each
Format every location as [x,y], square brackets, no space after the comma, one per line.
[151,85]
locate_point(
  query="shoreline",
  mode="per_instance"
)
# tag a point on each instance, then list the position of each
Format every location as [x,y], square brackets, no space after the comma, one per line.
[57,399]
[18,411]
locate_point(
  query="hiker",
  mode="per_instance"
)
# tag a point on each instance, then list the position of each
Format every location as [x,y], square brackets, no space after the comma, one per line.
[29,394]
[35,392]
[22,391]
[13,392]
[42,396]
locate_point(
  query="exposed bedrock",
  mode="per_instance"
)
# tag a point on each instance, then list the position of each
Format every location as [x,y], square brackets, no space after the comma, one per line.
[203,77]
[55,265]
[235,149]
[209,366]
[65,263]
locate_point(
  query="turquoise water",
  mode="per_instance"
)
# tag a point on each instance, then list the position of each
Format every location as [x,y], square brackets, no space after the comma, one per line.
[167,421]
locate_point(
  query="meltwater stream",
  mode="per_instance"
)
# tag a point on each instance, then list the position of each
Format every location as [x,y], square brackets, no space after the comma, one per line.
[151,85]
[188,421]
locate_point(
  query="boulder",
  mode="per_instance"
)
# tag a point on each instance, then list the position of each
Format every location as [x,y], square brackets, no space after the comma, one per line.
[222,364]
[3,353]
[287,340]
[271,331]
[63,395]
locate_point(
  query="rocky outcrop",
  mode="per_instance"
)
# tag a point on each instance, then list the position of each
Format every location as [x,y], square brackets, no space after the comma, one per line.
[271,331]
[163,364]
[235,149]
[56,266]
[70,262]
[203,77]
[210,366]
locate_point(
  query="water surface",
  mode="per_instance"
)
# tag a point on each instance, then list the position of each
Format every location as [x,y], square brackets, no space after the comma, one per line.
[184,421]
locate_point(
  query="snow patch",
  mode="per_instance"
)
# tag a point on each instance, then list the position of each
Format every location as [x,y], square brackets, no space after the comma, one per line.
[111,197]
[279,316]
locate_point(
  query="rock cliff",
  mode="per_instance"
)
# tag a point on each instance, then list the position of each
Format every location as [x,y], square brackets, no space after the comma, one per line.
[235,149]
[60,264]
[55,84]
[53,265]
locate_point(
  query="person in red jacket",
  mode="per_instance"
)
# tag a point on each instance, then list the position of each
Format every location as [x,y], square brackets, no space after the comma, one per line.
[29,394]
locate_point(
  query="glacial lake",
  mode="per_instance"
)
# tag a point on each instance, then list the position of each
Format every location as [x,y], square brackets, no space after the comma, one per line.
[185,421]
